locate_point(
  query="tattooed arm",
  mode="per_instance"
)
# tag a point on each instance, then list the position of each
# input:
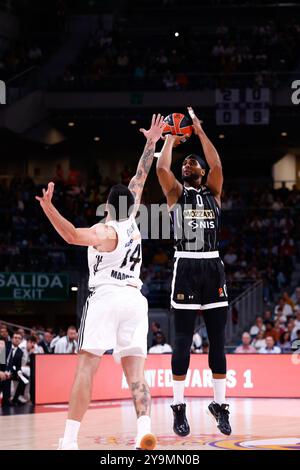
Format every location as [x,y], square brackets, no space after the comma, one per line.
[152,135]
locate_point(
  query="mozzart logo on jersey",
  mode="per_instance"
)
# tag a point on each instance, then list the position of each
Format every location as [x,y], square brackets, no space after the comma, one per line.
[34,286]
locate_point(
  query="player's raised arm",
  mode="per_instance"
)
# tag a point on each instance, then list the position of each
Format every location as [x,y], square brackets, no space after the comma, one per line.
[152,135]
[171,187]
[215,175]
[97,235]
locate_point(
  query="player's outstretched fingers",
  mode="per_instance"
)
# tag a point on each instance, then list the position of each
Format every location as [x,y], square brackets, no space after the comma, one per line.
[191,112]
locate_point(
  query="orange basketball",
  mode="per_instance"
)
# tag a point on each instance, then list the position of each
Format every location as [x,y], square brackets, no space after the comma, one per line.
[178,124]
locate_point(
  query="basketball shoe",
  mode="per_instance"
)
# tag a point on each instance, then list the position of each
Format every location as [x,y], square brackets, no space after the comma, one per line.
[180,426]
[221,415]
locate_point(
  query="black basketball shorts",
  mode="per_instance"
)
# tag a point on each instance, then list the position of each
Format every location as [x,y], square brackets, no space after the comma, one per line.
[198,281]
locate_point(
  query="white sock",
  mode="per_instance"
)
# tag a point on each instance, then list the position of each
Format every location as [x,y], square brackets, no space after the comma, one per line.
[219,386]
[71,431]
[178,391]
[143,426]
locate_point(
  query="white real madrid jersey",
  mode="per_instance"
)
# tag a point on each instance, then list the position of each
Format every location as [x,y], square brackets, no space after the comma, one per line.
[122,266]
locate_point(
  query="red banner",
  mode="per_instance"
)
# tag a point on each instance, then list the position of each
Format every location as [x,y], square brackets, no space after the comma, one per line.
[248,375]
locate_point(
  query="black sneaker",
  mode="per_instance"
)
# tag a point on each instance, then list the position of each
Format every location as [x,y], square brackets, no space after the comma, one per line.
[221,415]
[181,426]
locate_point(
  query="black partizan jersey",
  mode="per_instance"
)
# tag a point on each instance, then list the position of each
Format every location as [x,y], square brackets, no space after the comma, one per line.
[196,220]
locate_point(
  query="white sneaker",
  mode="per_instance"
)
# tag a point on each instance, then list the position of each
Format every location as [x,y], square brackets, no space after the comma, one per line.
[146,442]
[22,399]
[69,446]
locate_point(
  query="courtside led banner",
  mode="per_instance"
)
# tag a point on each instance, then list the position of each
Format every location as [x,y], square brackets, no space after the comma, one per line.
[249,375]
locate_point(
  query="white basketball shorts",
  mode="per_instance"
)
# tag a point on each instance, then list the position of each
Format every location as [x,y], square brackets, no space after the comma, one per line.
[115,318]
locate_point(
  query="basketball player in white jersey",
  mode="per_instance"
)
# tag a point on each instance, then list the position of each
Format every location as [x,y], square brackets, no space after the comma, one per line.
[115,313]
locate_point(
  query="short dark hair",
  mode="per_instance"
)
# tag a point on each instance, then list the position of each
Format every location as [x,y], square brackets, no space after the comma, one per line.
[200,160]
[32,339]
[16,334]
[72,327]
[121,207]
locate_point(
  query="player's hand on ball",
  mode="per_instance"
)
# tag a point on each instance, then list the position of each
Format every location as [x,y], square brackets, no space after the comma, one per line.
[174,139]
[196,121]
[47,195]
[155,131]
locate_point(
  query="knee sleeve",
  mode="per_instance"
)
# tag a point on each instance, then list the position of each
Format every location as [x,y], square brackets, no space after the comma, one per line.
[181,354]
[215,320]
[216,355]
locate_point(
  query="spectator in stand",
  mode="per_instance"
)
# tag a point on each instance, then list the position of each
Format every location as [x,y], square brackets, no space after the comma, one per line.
[45,344]
[288,300]
[285,342]
[296,296]
[280,317]
[268,316]
[2,358]
[67,344]
[270,347]
[31,348]
[287,310]
[231,257]
[245,347]
[291,328]
[4,333]
[287,247]
[13,366]
[155,328]
[278,329]
[61,333]
[160,258]
[259,326]
[297,336]
[161,346]
[259,341]
[297,319]
[270,330]
[22,345]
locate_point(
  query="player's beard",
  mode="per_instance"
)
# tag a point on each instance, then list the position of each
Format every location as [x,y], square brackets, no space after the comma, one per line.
[190,178]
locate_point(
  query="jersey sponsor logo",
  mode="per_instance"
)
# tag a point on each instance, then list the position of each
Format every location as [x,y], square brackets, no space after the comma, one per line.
[120,276]
[221,292]
[199,214]
[202,224]
[180,296]
[129,243]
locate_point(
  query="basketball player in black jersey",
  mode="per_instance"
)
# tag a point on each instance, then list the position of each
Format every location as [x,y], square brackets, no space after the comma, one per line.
[198,278]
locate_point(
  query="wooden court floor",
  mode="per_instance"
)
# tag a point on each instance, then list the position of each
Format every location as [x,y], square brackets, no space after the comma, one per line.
[257,424]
